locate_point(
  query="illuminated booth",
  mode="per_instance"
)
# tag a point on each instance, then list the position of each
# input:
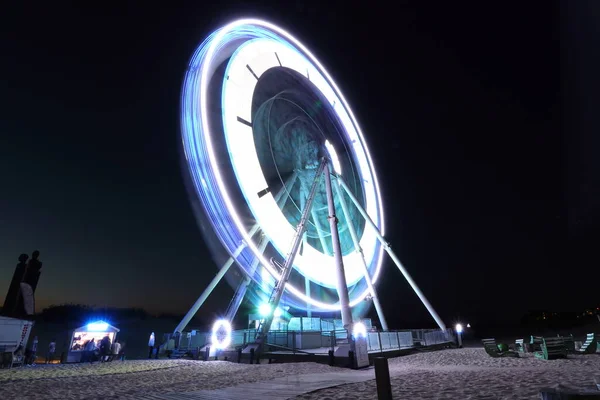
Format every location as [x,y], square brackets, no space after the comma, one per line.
[95,330]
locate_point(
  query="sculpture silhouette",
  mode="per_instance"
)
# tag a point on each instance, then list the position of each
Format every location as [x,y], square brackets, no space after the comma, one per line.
[33,270]
[13,297]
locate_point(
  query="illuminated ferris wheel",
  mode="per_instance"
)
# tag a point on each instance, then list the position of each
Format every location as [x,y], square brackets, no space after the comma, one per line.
[282,176]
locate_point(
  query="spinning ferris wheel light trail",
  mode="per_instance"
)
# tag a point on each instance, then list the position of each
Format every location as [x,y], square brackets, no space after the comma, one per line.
[262,124]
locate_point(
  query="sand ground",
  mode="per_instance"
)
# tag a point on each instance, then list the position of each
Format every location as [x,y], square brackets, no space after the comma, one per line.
[472,374]
[448,374]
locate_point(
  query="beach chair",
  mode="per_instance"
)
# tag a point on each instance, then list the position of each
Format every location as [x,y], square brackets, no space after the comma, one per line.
[552,349]
[491,347]
[536,343]
[590,346]
[569,343]
[520,346]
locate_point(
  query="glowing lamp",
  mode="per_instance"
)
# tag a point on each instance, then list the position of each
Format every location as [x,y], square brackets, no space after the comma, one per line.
[264,309]
[99,326]
[359,330]
[459,328]
[221,334]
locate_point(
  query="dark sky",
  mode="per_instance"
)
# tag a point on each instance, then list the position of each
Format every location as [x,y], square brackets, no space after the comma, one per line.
[481,119]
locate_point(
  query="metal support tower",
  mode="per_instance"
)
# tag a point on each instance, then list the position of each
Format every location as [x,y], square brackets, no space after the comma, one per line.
[215,281]
[280,198]
[392,255]
[289,262]
[342,287]
[359,250]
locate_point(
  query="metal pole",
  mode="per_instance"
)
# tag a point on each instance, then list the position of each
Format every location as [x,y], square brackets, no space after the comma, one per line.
[304,243]
[359,250]
[324,244]
[289,262]
[382,379]
[393,256]
[280,199]
[211,286]
[342,286]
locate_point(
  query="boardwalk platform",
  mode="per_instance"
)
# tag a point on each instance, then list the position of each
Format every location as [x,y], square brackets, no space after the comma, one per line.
[276,389]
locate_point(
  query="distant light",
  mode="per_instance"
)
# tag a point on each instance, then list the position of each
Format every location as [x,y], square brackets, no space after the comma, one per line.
[359,329]
[459,328]
[468,325]
[98,326]
[334,158]
[264,309]
[221,334]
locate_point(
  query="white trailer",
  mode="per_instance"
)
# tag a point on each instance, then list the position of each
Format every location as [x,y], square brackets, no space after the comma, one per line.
[14,332]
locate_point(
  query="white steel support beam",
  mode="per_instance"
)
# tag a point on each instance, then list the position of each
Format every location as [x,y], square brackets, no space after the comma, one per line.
[359,250]
[289,262]
[393,256]
[215,281]
[280,198]
[342,286]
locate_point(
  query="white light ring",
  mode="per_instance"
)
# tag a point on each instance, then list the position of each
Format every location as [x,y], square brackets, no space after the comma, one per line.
[260,55]
[200,102]
[215,341]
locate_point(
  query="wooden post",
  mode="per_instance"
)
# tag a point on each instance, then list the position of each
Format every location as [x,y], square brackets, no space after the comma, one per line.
[382,379]
[206,353]
[331,358]
[252,355]
[239,354]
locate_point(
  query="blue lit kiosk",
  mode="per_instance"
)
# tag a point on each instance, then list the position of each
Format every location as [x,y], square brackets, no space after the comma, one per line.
[94,330]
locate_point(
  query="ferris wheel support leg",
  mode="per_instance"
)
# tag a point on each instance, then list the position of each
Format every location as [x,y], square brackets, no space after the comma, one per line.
[306,280]
[342,286]
[211,286]
[393,256]
[359,250]
[320,232]
[289,261]
[240,293]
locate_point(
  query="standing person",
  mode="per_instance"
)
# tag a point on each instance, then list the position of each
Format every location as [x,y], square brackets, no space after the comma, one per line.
[51,351]
[170,347]
[90,347]
[116,349]
[33,351]
[105,348]
[150,345]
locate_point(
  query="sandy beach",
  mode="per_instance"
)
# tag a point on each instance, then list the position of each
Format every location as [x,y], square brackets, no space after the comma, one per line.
[448,374]
[472,374]
[137,378]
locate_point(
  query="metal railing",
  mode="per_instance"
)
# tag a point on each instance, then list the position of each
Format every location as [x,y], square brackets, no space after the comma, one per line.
[303,340]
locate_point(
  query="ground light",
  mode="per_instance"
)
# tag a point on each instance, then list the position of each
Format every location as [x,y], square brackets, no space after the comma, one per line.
[459,331]
[221,334]
[359,329]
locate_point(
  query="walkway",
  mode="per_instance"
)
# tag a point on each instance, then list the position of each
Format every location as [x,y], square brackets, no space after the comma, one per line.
[276,389]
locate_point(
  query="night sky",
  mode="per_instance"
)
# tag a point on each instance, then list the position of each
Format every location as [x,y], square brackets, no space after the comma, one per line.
[482,121]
